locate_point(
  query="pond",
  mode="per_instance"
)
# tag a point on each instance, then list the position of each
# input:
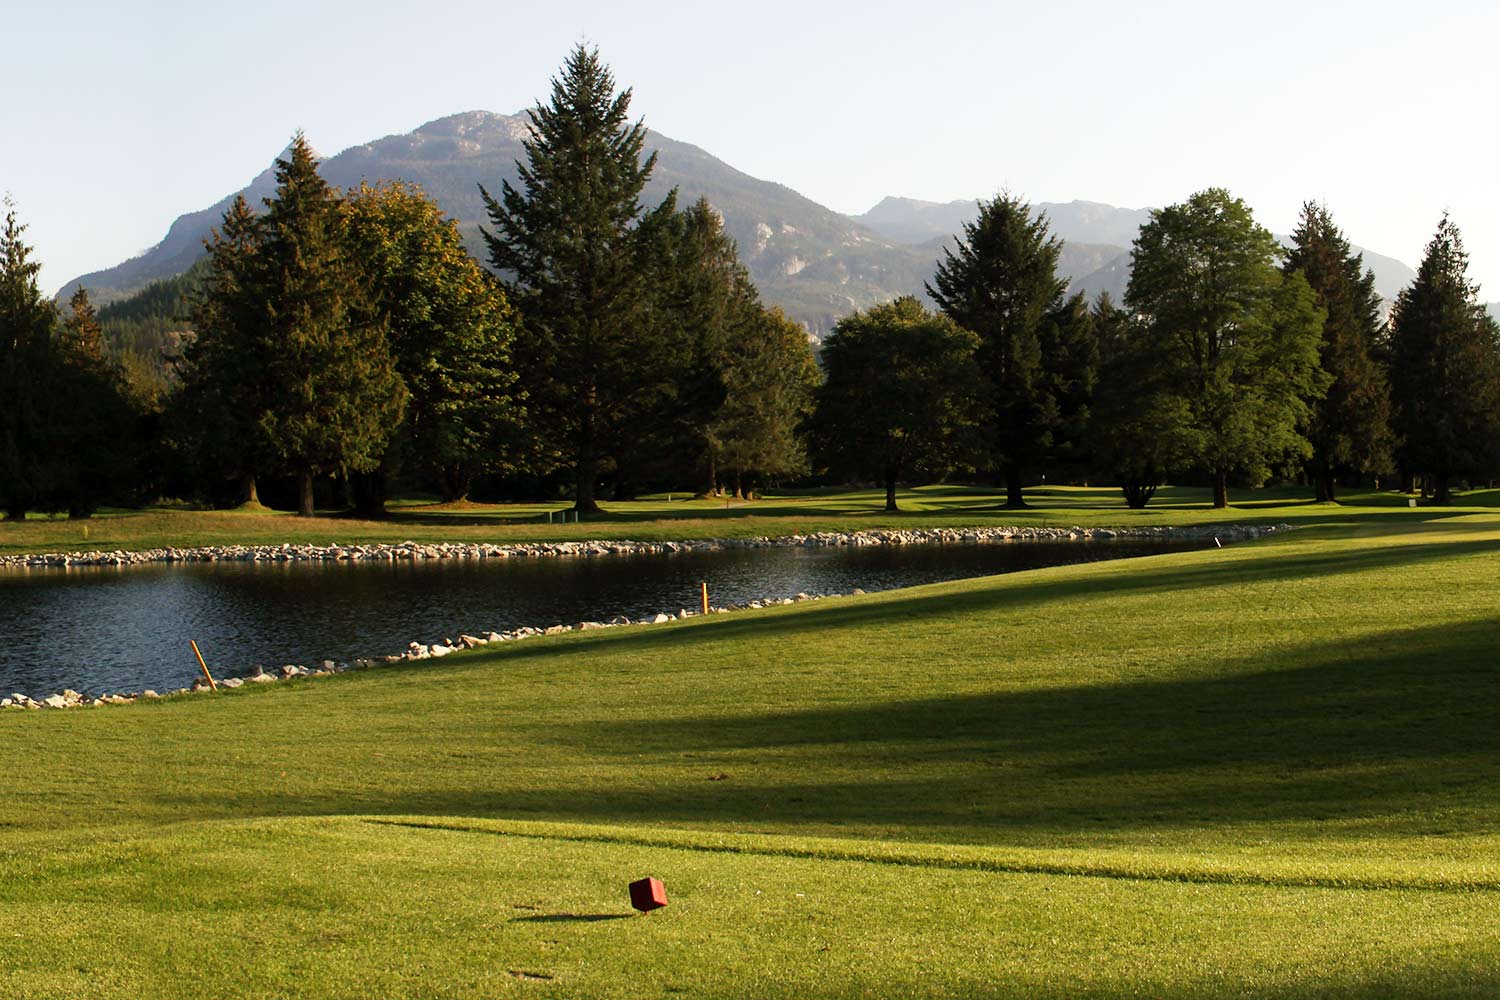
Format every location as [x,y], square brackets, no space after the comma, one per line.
[125,629]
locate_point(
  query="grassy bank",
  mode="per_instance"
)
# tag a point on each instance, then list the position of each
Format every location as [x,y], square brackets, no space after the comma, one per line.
[660,518]
[1268,770]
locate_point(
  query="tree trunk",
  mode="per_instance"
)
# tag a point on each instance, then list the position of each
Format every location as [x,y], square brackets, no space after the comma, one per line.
[1137,494]
[369,493]
[1324,484]
[15,511]
[890,490]
[305,493]
[248,492]
[711,479]
[739,491]
[1015,495]
[584,497]
[1408,483]
[1440,494]
[1221,489]
[455,484]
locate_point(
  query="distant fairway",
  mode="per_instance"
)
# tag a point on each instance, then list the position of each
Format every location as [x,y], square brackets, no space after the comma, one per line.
[1268,770]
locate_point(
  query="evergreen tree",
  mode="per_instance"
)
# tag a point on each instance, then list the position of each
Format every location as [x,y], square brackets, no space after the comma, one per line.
[903,395]
[1138,422]
[1240,337]
[225,367]
[335,397]
[569,241]
[1001,283]
[451,331]
[26,364]
[1350,427]
[1445,372]
[90,417]
[81,338]
[715,310]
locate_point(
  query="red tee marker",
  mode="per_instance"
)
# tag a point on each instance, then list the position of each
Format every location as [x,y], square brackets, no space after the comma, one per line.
[648,894]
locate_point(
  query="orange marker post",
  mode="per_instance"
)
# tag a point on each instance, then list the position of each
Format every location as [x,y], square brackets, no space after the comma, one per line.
[211,682]
[705,597]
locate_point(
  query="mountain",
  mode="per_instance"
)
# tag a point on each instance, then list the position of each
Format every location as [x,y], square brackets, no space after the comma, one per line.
[907,220]
[1097,239]
[815,263]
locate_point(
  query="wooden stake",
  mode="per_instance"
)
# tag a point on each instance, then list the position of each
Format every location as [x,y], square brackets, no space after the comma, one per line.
[211,682]
[705,597]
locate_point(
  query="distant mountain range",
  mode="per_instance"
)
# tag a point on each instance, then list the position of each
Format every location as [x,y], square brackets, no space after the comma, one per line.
[815,263]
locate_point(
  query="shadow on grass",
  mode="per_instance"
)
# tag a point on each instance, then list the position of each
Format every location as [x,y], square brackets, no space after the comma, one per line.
[569,918]
[1145,574]
[1402,727]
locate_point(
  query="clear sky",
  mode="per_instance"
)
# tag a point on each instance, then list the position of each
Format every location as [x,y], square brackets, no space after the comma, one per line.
[117,117]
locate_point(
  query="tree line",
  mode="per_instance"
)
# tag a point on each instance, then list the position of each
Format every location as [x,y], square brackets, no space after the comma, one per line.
[345,345]
[1230,359]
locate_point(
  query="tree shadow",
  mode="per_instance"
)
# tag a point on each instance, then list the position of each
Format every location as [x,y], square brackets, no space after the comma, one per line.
[1402,727]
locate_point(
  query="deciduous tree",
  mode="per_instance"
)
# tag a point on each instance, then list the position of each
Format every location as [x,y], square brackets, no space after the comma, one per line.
[1239,337]
[903,395]
[451,330]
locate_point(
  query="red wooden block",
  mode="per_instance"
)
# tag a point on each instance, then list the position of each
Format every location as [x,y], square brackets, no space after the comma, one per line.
[648,894]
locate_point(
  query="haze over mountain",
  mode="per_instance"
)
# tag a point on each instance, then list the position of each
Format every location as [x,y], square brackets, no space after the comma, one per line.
[815,263]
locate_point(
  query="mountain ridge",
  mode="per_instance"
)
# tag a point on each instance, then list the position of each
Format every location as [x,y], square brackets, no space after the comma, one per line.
[814,262]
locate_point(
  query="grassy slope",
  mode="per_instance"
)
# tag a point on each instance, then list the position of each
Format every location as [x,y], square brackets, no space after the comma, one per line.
[654,519]
[1268,770]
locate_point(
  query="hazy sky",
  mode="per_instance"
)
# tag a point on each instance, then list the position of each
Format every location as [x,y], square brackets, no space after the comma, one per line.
[117,117]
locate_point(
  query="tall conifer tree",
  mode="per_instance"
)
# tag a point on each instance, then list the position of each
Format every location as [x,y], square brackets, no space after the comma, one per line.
[1001,283]
[1350,426]
[336,395]
[26,322]
[225,367]
[568,239]
[1445,371]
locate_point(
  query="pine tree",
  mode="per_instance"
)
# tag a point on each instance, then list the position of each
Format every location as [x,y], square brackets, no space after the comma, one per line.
[903,395]
[82,337]
[90,415]
[1445,371]
[225,369]
[335,395]
[451,331]
[568,242]
[1001,282]
[26,365]
[1350,427]
[1241,338]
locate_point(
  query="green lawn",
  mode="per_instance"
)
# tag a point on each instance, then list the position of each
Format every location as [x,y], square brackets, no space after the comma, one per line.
[659,518]
[1268,770]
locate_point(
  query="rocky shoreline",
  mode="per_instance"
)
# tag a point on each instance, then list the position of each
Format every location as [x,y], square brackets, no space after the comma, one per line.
[410,551]
[417,651]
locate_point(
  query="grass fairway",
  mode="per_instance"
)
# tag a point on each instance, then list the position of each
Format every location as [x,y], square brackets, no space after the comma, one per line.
[1269,770]
[659,518]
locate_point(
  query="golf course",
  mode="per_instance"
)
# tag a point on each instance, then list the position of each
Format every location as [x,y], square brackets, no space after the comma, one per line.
[1266,770]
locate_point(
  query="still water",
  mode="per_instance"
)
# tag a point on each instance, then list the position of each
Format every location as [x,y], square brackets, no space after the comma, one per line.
[119,629]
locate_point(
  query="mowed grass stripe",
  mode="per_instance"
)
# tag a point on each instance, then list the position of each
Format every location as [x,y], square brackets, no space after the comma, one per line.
[1206,870]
